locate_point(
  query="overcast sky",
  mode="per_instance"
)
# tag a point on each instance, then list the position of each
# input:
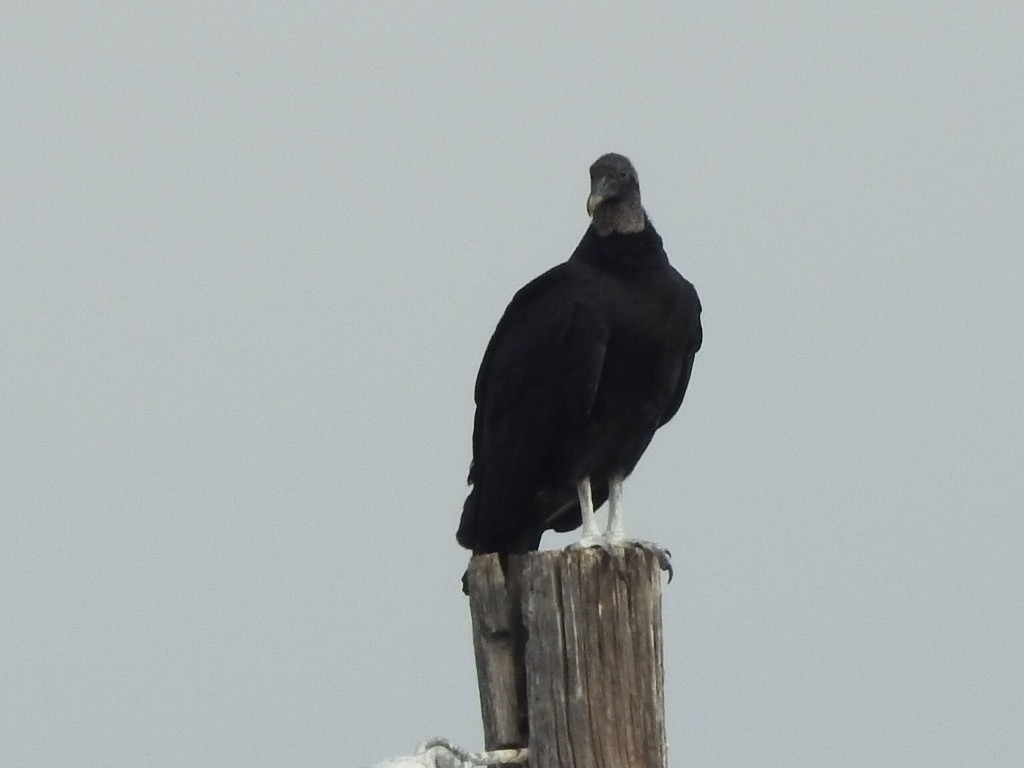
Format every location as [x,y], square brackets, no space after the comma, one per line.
[251,254]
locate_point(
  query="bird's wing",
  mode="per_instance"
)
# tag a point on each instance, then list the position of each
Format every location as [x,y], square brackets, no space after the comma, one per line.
[536,384]
[695,338]
[551,338]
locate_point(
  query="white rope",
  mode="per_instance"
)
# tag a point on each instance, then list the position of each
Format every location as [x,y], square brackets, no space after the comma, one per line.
[441,753]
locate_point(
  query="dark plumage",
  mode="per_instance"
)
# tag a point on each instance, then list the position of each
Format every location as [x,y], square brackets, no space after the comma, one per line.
[587,362]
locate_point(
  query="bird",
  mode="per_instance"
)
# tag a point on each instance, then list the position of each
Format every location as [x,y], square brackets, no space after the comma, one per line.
[587,362]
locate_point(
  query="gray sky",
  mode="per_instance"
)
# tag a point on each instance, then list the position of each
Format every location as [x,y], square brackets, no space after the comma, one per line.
[251,256]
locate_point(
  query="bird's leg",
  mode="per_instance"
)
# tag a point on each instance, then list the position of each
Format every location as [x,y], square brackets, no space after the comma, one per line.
[616,533]
[592,536]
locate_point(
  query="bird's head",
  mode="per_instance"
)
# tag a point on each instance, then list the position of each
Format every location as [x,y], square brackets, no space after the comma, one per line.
[614,201]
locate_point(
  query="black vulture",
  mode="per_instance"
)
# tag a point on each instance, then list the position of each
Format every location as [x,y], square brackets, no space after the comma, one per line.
[587,362]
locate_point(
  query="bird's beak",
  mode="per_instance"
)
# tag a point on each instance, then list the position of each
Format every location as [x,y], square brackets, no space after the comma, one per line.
[599,192]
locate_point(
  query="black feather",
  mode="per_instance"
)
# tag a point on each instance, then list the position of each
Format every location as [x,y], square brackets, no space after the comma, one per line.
[588,360]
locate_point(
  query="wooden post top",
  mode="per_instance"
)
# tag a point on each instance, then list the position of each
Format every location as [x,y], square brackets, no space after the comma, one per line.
[569,656]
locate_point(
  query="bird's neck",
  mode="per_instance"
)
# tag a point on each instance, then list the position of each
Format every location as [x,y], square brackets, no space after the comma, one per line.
[624,216]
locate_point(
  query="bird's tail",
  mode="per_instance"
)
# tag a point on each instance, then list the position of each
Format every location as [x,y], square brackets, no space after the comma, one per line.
[467,533]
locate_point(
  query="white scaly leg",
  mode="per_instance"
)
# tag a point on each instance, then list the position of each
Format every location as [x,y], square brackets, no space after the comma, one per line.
[616,533]
[592,536]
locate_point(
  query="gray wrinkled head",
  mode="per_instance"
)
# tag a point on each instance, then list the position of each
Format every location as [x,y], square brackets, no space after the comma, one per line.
[614,201]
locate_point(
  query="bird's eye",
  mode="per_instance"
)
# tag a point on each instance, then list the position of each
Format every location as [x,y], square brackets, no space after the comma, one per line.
[623,174]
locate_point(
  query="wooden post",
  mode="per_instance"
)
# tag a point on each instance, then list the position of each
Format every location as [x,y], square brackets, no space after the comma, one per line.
[569,656]
[498,643]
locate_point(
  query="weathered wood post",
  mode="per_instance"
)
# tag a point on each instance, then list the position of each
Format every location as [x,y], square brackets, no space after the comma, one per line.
[569,656]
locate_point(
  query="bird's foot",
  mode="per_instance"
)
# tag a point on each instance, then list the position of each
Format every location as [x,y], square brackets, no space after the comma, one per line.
[590,540]
[599,540]
[614,545]
[663,556]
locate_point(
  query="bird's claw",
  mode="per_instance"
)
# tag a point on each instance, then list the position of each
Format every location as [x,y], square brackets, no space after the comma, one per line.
[661,554]
[614,546]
